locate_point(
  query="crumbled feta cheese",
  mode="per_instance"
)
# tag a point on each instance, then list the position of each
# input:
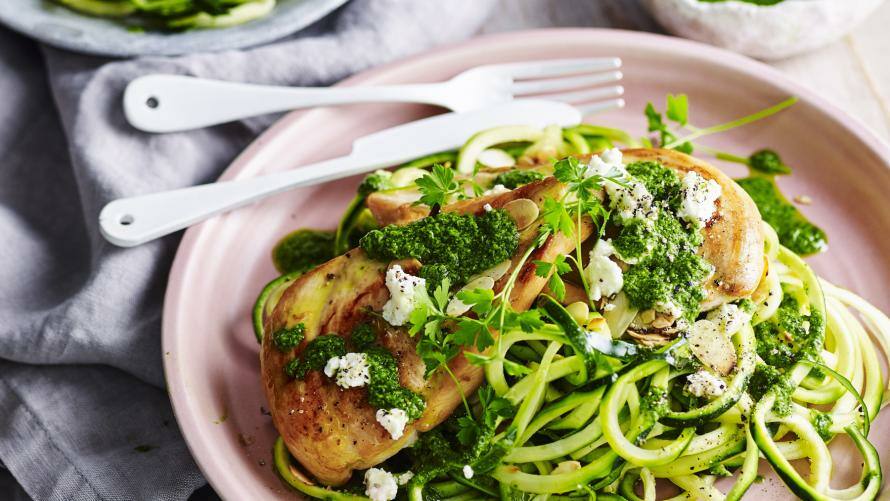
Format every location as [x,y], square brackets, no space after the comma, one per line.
[468,471]
[380,485]
[404,478]
[403,289]
[631,202]
[670,308]
[608,306]
[729,317]
[349,371]
[496,190]
[705,384]
[603,275]
[699,195]
[394,421]
[607,163]
[566,467]
[488,207]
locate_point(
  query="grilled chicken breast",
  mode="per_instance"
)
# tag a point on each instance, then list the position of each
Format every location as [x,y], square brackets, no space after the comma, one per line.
[733,241]
[333,431]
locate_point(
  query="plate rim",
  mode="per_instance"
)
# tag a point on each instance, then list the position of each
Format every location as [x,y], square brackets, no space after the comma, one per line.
[303,14]
[246,163]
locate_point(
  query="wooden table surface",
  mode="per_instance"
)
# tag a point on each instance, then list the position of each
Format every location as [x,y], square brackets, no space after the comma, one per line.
[853,72]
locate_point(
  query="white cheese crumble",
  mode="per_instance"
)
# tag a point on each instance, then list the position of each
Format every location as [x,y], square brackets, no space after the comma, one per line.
[468,471]
[394,421]
[380,485]
[729,317]
[705,384]
[349,371]
[496,190]
[404,478]
[403,288]
[699,195]
[670,308]
[488,207]
[631,202]
[603,275]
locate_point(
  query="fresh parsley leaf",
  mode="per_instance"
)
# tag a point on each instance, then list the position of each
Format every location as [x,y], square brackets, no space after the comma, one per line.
[557,217]
[677,108]
[479,299]
[437,186]
[557,286]
[472,332]
[527,321]
[442,293]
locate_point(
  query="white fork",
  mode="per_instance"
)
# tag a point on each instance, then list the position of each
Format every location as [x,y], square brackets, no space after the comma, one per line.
[169,103]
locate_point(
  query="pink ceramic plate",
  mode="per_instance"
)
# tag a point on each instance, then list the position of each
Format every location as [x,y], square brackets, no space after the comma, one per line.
[211,357]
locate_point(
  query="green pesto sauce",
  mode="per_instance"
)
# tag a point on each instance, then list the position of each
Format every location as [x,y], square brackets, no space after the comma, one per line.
[793,229]
[363,336]
[822,422]
[288,338]
[766,378]
[664,184]
[303,250]
[790,336]
[384,389]
[664,266]
[316,355]
[449,245]
[516,178]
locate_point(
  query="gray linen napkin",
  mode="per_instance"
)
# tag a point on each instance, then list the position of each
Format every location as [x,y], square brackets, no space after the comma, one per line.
[83,411]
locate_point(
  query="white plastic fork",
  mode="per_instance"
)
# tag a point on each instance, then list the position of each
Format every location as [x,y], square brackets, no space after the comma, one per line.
[170,103]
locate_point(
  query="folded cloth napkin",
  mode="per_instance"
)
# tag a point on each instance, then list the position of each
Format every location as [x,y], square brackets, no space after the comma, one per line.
[83,411]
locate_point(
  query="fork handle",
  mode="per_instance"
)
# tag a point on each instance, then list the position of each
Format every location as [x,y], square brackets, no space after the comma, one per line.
[170,103]
[135,220]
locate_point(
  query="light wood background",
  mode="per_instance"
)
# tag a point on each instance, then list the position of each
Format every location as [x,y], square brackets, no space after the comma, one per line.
[853,72]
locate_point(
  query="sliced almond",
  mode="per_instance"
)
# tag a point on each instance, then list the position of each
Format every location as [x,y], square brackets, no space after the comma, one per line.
[523,211]
[456,307]
[496,272]
[711,346]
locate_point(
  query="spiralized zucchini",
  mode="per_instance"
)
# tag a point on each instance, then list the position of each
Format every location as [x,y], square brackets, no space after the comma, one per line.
[615,425]
[175,15]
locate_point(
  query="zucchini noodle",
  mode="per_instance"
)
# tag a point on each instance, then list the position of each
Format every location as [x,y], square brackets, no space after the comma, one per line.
[595,419]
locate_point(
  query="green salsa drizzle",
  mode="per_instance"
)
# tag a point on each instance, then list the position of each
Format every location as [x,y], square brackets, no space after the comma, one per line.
[518,177]
[384,389]
[664,267]
[822,422]
[287,339]
[363,336]
[316,355]
[449,245]
[766,378]
[793,229]
[302,250]
[790,336]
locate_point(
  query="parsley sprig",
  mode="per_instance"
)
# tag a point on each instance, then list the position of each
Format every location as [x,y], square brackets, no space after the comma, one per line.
[566,214]
[677,111]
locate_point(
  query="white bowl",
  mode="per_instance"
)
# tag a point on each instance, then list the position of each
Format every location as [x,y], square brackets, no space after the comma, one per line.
[765,32]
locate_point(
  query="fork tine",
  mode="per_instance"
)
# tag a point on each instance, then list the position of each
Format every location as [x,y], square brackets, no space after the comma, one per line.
[557,67]
[538,86]
[594,108]
[586,95]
